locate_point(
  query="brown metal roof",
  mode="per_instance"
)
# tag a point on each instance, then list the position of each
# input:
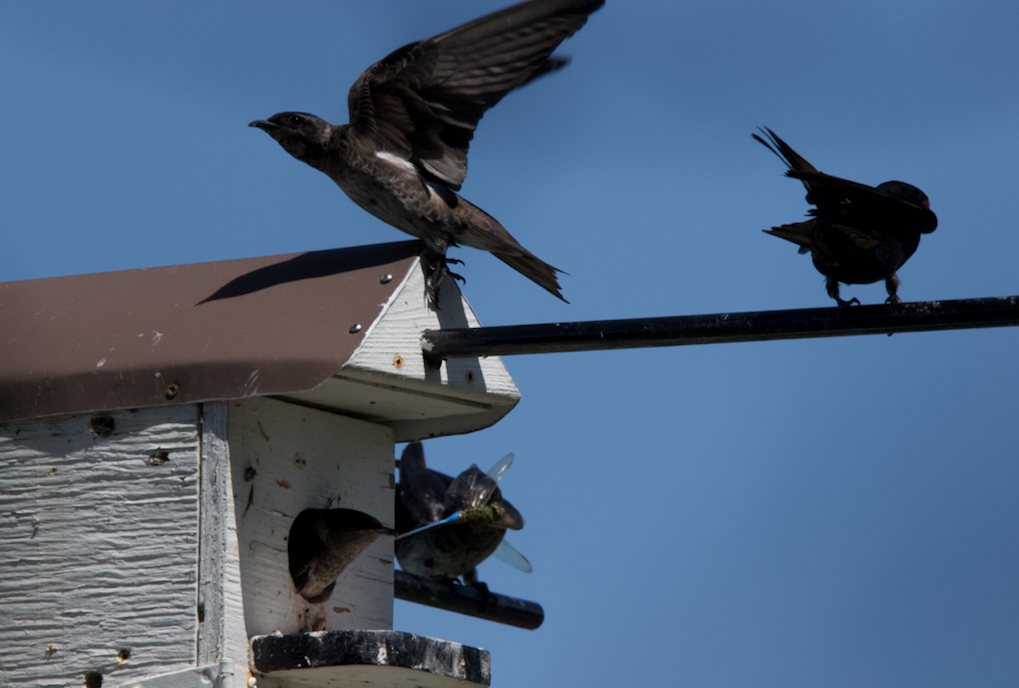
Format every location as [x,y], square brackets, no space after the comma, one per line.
[189,333]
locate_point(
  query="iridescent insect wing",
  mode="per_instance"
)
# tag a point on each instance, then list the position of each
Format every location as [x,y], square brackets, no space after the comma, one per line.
[471,490]
[501,466]
[509,554]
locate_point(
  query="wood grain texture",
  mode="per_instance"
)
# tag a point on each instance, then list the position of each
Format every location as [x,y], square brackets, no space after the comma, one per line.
[221,632]
[397,331]
[287,458]
[98,534]
[470,393]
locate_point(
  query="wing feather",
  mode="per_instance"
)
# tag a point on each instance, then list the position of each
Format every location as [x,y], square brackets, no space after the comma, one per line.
[423,101]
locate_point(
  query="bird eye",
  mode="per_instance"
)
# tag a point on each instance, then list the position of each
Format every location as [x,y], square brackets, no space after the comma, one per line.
[296,120]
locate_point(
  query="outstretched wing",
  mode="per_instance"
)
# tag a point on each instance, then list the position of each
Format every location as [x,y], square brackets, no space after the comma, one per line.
[423,101]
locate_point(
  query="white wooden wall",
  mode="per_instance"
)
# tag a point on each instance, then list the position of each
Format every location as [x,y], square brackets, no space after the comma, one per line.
[107,550]
[98,547]
[287,458]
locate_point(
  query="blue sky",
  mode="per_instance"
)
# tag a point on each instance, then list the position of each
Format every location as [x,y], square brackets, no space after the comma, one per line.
[828,512]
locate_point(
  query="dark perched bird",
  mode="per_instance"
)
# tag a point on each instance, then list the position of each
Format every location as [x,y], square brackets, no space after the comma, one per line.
[323,542]
[449,526]
[860,234]
[412,117]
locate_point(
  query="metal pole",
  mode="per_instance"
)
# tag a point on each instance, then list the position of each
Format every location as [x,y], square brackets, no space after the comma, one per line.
[598,335]
[470,600]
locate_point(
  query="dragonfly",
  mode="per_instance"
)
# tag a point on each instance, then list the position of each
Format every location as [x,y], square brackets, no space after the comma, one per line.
[449,526]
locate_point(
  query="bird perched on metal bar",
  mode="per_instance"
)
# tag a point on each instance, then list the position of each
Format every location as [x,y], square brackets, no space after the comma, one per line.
[449,526]
[859,234]
[413,114]
[323,542]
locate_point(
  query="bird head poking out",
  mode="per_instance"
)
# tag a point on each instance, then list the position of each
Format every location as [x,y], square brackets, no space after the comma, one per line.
[302,135]
[323,542]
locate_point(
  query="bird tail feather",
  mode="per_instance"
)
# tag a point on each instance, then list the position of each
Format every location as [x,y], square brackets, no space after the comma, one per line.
[487,234]
[800,233]
[534,269]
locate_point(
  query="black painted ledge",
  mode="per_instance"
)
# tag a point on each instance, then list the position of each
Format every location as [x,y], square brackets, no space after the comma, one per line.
[469,600]
[368,658]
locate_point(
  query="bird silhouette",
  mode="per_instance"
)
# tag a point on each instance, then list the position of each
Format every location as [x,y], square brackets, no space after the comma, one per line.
[413,114]
[859,234]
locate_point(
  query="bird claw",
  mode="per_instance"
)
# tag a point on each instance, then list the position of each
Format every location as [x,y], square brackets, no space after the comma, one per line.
[847,304]
[436,267]
[454,261]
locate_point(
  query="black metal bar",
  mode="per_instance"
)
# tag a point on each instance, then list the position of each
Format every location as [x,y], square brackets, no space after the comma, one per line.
[469,600]
[598,335]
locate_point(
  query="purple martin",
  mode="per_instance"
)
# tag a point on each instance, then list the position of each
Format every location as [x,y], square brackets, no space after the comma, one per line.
[859,234]
[468,514]
[323,542]
[413,114]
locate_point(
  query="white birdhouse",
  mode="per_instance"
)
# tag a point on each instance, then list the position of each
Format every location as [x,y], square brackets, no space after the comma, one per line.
[161,429]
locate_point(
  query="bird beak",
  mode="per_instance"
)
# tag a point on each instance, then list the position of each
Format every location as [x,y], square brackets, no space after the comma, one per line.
[262,124]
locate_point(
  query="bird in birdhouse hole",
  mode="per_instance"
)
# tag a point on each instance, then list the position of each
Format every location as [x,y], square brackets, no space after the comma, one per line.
[323,542]
[403,156]
[449,526]
[859,234]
